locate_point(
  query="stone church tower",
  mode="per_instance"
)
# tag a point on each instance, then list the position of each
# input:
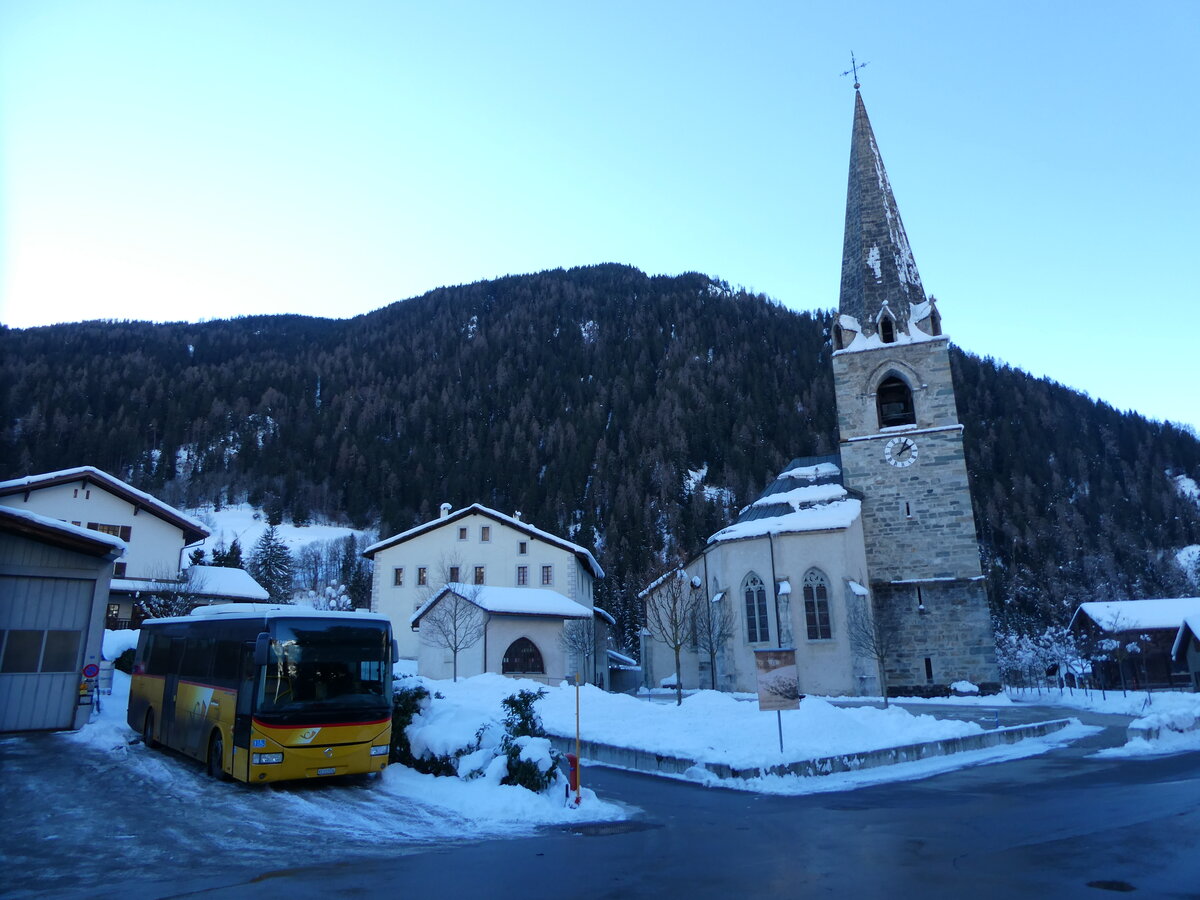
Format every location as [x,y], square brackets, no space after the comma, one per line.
[901,445]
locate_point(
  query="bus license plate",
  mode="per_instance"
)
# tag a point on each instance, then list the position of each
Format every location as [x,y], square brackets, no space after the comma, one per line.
[326,771]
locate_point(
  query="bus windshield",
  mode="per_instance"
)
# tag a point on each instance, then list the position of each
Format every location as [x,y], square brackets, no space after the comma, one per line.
[318,664]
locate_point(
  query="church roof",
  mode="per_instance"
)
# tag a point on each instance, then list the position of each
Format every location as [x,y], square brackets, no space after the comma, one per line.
[878,268]
[808,495]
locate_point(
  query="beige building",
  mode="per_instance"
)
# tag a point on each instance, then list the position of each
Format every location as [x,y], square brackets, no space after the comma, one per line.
[468,630]
[155,534]
[790,572]
[477,547]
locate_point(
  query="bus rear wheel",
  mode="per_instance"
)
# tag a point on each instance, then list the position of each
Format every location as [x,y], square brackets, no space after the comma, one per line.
[216,756]
[148,731]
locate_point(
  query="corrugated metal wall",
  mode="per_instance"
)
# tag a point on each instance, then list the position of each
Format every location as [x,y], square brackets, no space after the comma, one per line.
[43,633]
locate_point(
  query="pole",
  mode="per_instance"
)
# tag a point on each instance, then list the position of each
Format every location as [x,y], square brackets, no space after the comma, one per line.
[578,764]
[779,721]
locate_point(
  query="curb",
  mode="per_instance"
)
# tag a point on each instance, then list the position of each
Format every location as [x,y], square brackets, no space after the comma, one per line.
[656,764]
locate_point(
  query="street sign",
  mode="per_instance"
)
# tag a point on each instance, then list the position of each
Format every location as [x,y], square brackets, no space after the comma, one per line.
[91,670]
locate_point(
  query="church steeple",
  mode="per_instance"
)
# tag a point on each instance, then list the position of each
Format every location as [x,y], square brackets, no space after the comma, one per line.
[881,288]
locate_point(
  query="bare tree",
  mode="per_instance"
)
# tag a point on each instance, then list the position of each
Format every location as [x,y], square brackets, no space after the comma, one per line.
[454,623]
[172,595]
[714,627]
[869,639]
[579,640]
[670,615]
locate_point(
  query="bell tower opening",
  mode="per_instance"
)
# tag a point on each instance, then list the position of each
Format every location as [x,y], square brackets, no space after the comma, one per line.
[894,403]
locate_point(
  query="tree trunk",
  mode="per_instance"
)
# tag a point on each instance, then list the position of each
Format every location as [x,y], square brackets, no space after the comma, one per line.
[678,681]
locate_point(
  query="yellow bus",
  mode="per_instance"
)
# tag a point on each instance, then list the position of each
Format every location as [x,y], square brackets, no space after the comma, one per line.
[265,693]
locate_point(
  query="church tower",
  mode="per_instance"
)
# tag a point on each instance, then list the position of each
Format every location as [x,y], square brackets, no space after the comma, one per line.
[901,445]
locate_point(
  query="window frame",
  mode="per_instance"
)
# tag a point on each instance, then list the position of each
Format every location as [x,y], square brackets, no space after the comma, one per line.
[818,618]
[754,606]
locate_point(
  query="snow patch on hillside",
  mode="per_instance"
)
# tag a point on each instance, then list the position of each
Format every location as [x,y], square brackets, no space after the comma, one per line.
[247,524]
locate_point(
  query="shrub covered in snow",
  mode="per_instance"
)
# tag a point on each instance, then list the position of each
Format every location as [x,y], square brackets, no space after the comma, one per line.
[436,737]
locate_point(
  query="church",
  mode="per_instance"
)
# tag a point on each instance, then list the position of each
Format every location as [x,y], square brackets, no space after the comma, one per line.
[866,562]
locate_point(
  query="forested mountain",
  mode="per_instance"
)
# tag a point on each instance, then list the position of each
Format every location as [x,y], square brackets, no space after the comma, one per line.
[582,398]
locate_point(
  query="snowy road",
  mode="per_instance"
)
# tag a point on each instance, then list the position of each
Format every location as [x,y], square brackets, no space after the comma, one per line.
[78,820]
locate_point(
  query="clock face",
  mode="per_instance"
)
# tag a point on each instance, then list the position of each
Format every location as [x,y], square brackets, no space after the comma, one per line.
[900,451]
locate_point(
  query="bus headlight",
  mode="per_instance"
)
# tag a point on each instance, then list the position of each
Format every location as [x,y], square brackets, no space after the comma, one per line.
[380,751]
[264,759]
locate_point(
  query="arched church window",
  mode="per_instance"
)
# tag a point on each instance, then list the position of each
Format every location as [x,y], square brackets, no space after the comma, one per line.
[839,339]
[887,329]
[816,605]
[894,400]
[755,593]
[523,658]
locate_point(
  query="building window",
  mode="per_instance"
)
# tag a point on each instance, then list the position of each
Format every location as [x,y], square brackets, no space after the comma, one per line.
[757,628]
[119,570]
[398,576]
[485,533]
[462,533]
[928,670]
[816,606]
[522,547]
[454,574]
[479,574]
[422,576]
[839,340]
[547,574]
[522,658]
[522,576]
[120,531]
[894,401]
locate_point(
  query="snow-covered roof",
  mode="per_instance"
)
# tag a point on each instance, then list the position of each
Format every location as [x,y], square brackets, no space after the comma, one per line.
[582,553]
[621,661]
[1191,625]
[831,516]
[512,601]
[193,529]
[271,611]
[603,614]
[83,539]
[223,581]
[657,582]
[800,497]
[1132,615]
[857,589]
[806,496]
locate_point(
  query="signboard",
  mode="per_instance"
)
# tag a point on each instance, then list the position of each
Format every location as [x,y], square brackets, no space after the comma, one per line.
[778,682]
[91,670]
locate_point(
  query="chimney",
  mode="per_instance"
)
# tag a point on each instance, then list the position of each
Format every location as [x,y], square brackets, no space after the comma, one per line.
[445,508]
[517,515]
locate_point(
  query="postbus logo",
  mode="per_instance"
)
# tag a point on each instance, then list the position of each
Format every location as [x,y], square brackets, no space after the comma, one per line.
[307,735]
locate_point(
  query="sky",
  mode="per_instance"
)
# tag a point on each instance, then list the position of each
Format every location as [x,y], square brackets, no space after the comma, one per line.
[190,160]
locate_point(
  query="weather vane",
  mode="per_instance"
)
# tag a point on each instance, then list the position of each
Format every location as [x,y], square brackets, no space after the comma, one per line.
[854,67]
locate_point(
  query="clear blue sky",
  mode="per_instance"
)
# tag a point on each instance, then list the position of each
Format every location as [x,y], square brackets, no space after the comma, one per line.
[191,160]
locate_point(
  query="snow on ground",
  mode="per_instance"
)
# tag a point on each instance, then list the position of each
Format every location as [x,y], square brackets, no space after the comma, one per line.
[247,524]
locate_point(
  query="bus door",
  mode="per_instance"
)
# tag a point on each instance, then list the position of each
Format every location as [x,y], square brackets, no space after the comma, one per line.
[244,712]
[171,733]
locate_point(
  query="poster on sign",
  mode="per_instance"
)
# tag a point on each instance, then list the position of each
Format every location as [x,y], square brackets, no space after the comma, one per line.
[778,682]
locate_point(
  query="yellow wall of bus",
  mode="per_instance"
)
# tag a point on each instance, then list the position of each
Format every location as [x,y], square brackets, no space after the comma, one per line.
[202,709]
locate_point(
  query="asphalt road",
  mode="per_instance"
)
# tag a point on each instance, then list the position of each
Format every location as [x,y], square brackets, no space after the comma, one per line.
[1060,825]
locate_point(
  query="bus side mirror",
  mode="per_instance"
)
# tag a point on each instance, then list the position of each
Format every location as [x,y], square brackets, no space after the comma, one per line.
[395,653]
[262,647]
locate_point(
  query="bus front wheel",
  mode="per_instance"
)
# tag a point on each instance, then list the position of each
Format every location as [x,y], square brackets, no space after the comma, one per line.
[148,731]
[216,756]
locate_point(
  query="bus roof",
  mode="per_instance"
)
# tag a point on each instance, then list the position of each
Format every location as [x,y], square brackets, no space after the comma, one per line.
[228,611]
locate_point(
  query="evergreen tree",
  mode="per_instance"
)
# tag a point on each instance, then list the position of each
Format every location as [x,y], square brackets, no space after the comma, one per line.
[271,566]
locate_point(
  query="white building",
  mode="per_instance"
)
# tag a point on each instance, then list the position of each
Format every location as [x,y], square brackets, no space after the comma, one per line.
[509,630]
[155,535]
[789,572]
[477,547]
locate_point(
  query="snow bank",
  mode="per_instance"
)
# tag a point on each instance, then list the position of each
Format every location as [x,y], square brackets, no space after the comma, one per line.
[711,726]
